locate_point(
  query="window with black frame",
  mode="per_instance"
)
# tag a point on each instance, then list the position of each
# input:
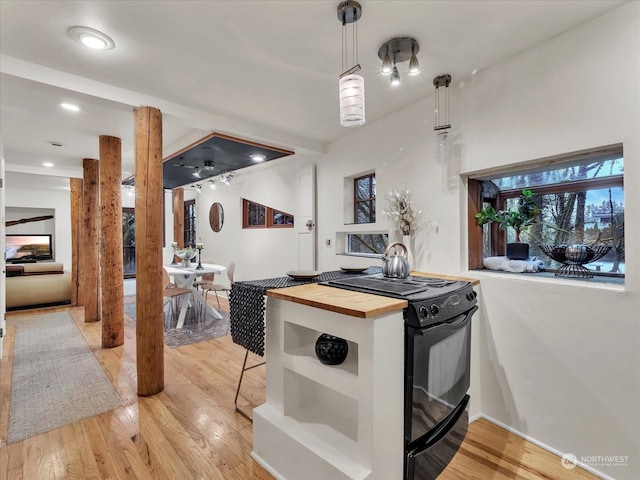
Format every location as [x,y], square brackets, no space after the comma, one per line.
[581,202]
[190,223]
[364,199]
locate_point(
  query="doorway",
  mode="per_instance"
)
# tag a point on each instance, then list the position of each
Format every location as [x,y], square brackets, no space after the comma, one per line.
[129,242]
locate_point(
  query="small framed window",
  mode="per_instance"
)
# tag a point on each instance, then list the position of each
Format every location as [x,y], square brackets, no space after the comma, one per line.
[256,215]
[364,199]
[278,219]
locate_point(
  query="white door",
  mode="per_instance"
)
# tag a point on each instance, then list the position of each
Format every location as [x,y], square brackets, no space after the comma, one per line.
[306,218]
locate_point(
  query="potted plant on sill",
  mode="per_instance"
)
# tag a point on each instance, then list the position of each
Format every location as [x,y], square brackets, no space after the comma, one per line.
[518,218]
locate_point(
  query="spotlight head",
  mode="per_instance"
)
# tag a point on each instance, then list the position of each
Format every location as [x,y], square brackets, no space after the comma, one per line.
[395,77]
[414,66]
[386,64]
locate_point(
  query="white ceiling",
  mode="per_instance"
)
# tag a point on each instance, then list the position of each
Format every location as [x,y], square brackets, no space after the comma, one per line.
[262,70]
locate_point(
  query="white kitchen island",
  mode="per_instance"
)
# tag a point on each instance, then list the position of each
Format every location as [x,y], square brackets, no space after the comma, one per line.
[332,422]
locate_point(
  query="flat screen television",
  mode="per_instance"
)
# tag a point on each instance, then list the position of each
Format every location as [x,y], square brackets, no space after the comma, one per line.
[20,248]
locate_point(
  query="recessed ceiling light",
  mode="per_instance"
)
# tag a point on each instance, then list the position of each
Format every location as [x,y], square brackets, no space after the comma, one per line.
[91,38]
[70,106]
[47,164]
[258,158]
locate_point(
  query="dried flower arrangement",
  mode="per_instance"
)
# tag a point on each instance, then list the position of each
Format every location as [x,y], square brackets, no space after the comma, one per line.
[401,211]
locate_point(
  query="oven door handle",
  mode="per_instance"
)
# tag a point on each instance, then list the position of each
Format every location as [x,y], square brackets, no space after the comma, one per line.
[458,322]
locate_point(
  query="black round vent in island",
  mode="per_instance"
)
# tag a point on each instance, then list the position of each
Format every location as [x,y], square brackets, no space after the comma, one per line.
[331,350]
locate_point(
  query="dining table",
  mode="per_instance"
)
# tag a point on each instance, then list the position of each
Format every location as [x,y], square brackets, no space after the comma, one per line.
[184,277]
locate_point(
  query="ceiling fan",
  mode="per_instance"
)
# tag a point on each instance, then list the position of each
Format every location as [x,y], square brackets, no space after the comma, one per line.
[182,164]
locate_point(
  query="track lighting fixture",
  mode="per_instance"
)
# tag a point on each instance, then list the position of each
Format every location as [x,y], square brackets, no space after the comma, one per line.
[128,189]
[196,173]
[226,178]
[398,50]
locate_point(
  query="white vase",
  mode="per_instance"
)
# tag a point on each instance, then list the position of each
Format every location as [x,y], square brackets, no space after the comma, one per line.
[407,242]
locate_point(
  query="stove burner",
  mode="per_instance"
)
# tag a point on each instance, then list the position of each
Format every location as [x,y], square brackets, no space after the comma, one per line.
[395,287]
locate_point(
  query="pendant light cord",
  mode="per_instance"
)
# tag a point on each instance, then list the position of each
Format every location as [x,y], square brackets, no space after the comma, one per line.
[355,40]
[345,41]
[437,109]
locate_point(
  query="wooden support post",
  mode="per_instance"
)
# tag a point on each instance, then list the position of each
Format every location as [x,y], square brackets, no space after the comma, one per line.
[149,196]
[178,218]
[111,261]
[90,238]
[75,186]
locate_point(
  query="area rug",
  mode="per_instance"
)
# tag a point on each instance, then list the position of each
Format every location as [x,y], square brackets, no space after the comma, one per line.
[195,328]
[56,378]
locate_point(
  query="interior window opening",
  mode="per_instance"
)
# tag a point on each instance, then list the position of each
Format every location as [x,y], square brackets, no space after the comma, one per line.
[579,204]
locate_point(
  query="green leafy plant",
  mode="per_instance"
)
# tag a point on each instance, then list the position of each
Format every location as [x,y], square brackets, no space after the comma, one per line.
[519,218]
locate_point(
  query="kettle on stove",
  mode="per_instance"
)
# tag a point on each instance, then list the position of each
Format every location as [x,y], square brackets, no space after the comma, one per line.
[396,265]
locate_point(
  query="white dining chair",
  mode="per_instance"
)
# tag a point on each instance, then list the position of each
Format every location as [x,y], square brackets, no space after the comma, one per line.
[218,287]
[205,278]
[171,293]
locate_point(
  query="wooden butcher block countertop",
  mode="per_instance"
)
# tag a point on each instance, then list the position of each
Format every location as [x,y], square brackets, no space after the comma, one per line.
[348,302]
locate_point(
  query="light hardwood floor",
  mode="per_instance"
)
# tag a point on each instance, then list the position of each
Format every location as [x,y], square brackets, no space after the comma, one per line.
[191,430]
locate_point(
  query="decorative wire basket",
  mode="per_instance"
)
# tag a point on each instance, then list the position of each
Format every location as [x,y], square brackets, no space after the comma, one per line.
[574,257]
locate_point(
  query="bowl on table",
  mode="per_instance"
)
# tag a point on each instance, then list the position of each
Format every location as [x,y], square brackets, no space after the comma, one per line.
[186,254]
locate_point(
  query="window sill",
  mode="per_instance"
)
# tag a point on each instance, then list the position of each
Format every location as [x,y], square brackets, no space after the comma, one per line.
[603,283]
[362,255]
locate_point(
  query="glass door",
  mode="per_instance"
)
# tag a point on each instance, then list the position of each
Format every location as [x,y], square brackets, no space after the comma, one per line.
[129,242]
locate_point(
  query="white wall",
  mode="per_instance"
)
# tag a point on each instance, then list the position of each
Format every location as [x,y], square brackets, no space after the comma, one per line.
[258,253]
[561,363]
[557,361]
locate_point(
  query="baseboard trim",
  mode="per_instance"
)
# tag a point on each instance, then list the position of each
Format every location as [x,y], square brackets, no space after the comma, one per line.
[266,466]
[540,444]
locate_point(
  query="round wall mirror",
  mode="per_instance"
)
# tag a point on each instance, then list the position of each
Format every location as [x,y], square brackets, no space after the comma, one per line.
[216,217]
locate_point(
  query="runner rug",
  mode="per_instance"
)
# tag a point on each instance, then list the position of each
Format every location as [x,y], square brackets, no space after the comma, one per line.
[56,378]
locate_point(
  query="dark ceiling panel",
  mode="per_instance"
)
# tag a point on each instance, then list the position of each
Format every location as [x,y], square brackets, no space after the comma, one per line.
[214,155]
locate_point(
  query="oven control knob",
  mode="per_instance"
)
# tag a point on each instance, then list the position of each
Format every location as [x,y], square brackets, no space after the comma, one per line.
[424,312]
[434,309]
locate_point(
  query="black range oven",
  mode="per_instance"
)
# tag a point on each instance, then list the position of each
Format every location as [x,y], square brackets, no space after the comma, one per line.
[437,325]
